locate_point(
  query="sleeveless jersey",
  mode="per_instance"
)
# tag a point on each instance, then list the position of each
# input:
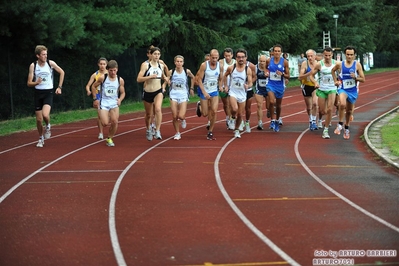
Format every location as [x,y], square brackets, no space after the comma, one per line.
[261,79]
[46,73]
[109,91]
[154,70]
[348,83]
[98,74]
[248,63]
[211,78]
[307,81]
[225,66]
[275,80]
[238,80]
[179,85]
[326,80]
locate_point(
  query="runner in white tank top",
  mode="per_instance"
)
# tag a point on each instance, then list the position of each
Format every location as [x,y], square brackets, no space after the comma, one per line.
[179,93]
[240,81]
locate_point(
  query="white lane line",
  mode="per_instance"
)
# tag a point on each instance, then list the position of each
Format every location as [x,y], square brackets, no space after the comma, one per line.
[140,118]
[12,189]
[82,171]
[243,218]
[112,204]
[336,193]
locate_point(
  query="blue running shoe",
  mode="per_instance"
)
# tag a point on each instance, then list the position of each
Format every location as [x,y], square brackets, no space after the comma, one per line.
[272,125]
[276,127]
[312,126]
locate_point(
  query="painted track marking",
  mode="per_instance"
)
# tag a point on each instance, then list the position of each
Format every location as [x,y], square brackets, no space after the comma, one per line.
[1,199]
[336,193]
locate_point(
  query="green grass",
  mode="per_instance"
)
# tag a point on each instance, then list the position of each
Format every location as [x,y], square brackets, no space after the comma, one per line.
[390,135]
[29,123]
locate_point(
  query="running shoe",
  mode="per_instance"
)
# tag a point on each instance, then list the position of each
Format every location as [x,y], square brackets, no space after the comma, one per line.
[158,134]
[183,123]
[149,135]
[280,121]
[247,127]
[260,125]
[241,127]
[237,134]
[198,109]
[320,124]
[276,127]
[325,134]
[272,125]
[338,129]
[347,134]
[110,142]
[40,143]
[232,124]
[100,136]
[313,126]
[177,136]
[47,133]
[210,136]
[153,127]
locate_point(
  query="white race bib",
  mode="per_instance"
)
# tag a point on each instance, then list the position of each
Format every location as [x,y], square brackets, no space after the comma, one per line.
[274,76]
[262,82]
[111,91]
[327,80]
[178,86]
[211,85]
[349,83]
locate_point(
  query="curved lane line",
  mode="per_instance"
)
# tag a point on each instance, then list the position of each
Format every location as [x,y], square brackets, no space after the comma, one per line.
[336,193]
[243,218]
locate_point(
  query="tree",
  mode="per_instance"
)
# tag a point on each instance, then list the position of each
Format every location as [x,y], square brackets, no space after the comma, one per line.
[92,27]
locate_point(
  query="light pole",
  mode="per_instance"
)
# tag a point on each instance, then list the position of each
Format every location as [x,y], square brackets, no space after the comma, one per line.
[336,16]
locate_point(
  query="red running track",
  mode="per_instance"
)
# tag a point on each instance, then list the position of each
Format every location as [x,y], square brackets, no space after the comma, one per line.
[286,198]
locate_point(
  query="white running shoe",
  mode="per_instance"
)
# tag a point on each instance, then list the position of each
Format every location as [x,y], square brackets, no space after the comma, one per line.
[110,142]
[47,133]
[260,125]
[337,131]
[237,134]
[280,121]
[40,143]
[183,123]
[177,136]
[320,124]
[347,134]
[325,134]
[158,134]
[232,124]
[100,136]
[247,127]
[241,127]
[149,135]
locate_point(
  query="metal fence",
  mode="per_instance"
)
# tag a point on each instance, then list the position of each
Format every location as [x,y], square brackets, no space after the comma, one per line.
[17,98]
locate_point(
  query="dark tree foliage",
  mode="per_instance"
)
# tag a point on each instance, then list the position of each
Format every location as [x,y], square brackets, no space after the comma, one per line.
[78,32]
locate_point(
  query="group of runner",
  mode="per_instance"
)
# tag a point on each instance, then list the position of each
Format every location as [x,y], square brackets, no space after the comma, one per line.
[235,80]
[327,83]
